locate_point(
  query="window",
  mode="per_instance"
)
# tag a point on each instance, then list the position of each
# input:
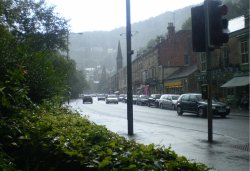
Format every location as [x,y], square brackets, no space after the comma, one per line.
[244,52]
[192,98]
[185,98]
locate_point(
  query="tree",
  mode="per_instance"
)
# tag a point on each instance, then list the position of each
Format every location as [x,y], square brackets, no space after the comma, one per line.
[187,25]
[32,37]
[35,23]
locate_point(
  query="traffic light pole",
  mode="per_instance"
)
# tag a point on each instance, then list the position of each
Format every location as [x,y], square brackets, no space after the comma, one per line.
[209,74]
[129,72]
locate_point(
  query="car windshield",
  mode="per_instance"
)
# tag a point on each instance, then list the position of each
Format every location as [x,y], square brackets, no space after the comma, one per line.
[175,97]
[157,96]
[199,98]
[112,96]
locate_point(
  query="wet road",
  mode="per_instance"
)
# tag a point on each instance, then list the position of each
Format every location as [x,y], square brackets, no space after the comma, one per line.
[186,134]
[232,126]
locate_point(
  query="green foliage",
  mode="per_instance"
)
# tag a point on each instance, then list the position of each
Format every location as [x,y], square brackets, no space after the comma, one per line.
[237,8]
[187,25]
[31,66]
[35,23]
[57,139]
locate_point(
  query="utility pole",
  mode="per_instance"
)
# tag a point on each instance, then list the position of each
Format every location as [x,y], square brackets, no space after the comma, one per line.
[129,71]
[209,74]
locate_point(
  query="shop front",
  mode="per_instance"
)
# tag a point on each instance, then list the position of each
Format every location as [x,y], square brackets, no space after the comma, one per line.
[173,87]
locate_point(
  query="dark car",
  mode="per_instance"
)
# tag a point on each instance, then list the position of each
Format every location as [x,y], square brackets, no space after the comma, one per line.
[168,101]
[101,97]
[152,100]
[142,100]
[87,98]
[135,97]
[193,103]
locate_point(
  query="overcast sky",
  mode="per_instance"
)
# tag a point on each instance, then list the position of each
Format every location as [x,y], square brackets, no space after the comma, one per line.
[105,15]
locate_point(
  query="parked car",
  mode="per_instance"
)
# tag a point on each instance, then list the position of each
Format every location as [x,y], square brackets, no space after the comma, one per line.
[193,103]
[101,97]
[135,97]
[87,98]
[153,100]
[112,99]
[142,100]
[122,97]
[168,101]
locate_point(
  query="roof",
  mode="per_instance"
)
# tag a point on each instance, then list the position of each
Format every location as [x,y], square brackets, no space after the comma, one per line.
[237,81]
[183,72]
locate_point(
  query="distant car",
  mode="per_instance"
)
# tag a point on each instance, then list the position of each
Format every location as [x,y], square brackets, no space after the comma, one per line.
[122,97]
[142,100]
[193,103]
[87,98]
[168,101]
[152,100]
[112,99]
[101,97]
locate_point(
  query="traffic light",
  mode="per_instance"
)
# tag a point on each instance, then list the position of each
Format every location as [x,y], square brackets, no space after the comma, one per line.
[218,25]
[198,29]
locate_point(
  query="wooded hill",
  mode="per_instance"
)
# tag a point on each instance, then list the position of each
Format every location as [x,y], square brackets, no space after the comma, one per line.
[91,49]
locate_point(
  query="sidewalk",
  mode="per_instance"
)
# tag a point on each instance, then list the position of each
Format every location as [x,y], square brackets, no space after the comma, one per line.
[239,112]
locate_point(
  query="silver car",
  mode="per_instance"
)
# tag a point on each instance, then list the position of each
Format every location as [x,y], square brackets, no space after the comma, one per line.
[168,101]
[112,99]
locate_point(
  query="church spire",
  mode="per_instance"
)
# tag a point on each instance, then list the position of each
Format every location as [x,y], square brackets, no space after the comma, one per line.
[119,58]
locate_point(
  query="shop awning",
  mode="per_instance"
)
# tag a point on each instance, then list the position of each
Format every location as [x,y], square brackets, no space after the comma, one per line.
[237,81]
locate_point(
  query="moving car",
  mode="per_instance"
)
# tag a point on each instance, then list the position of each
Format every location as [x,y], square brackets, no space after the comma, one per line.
[153,100]
[87,98]
[101,97]
[168,101]
[193,103]
[142,100]
[112,99]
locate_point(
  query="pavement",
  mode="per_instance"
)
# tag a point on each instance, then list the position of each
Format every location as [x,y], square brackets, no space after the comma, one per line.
[223,154]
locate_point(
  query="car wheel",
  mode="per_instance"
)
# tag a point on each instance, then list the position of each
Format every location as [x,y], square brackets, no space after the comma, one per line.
[179,110]
[201,112]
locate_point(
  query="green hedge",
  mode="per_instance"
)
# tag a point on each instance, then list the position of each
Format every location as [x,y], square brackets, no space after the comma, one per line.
[57,139]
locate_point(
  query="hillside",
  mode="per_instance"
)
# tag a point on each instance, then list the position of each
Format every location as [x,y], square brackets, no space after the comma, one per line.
[90,49]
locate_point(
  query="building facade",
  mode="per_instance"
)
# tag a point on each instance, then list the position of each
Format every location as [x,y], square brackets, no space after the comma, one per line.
[172,67]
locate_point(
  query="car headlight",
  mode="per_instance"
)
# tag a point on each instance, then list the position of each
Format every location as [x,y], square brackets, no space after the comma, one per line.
[227,107]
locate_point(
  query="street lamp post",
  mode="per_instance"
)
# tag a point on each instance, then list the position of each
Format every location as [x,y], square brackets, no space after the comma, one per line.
[129,72]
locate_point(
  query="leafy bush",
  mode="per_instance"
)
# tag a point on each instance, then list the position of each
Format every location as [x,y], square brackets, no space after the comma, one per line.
[61,140]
